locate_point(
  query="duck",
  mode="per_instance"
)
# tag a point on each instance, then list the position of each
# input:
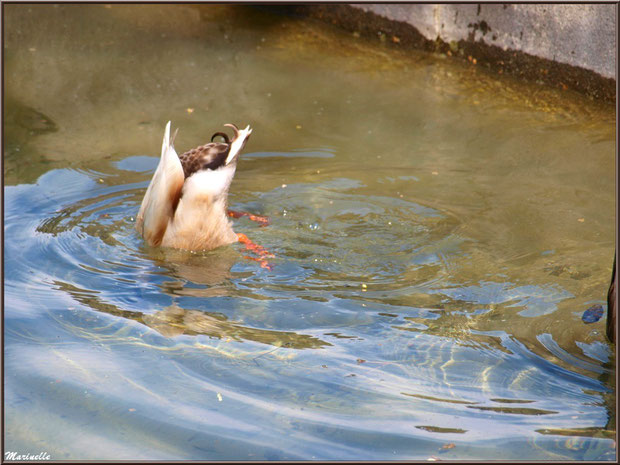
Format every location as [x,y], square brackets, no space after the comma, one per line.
[185,204]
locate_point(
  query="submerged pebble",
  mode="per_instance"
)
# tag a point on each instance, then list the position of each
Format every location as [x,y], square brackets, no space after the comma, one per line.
[592,314]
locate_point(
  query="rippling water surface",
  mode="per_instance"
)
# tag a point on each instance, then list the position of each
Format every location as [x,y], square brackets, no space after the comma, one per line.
[438,233]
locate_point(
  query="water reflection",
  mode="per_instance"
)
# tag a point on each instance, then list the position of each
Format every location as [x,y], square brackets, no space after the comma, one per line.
[174,321]
[366,321]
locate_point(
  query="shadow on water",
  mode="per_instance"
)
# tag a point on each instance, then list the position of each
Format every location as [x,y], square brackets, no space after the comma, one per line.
[21,124]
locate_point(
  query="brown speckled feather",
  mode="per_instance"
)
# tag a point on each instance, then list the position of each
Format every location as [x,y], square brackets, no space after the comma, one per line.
[209,156]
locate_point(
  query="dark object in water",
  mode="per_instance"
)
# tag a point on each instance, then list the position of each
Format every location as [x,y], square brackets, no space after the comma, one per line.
[593,314]
[611,306]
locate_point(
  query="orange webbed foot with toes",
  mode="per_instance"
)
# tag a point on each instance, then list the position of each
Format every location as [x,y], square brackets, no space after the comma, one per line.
[261,220]
[259,250]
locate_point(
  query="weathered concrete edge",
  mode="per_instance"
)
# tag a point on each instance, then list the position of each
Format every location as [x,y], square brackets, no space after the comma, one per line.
[581,35]
[402,34]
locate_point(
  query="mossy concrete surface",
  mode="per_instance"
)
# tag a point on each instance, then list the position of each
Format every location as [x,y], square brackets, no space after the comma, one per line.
[570,46]
[578,35]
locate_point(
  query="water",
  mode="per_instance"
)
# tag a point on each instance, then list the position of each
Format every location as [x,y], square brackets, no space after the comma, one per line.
[438,232]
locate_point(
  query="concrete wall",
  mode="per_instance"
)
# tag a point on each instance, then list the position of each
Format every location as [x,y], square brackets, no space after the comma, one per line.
[578,35]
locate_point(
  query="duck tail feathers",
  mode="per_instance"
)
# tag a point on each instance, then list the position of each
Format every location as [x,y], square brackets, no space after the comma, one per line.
[162,195]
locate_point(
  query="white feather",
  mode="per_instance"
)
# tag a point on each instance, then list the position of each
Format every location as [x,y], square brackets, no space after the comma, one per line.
[156,208]
[238,144]
[208,183]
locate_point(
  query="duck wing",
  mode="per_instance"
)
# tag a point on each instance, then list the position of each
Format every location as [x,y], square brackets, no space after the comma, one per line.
[162,195]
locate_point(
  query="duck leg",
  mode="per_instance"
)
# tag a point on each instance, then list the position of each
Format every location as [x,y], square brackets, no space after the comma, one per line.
[262,220]
[259,250]
[249,244]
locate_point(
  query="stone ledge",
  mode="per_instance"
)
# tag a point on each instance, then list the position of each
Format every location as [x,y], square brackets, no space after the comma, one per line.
[555,51]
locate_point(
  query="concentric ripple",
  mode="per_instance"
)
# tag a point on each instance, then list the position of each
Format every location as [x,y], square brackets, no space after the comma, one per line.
[358,344]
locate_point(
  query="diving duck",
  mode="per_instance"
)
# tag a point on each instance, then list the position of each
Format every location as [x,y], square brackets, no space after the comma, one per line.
[185,205]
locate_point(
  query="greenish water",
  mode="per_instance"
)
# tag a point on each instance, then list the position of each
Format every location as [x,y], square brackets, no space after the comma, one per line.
[438,233]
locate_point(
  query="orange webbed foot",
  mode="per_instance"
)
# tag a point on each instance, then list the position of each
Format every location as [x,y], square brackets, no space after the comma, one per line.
[259,250]
[261,220]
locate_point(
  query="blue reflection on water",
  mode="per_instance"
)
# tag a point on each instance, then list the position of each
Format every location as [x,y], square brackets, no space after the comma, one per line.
[115,350]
